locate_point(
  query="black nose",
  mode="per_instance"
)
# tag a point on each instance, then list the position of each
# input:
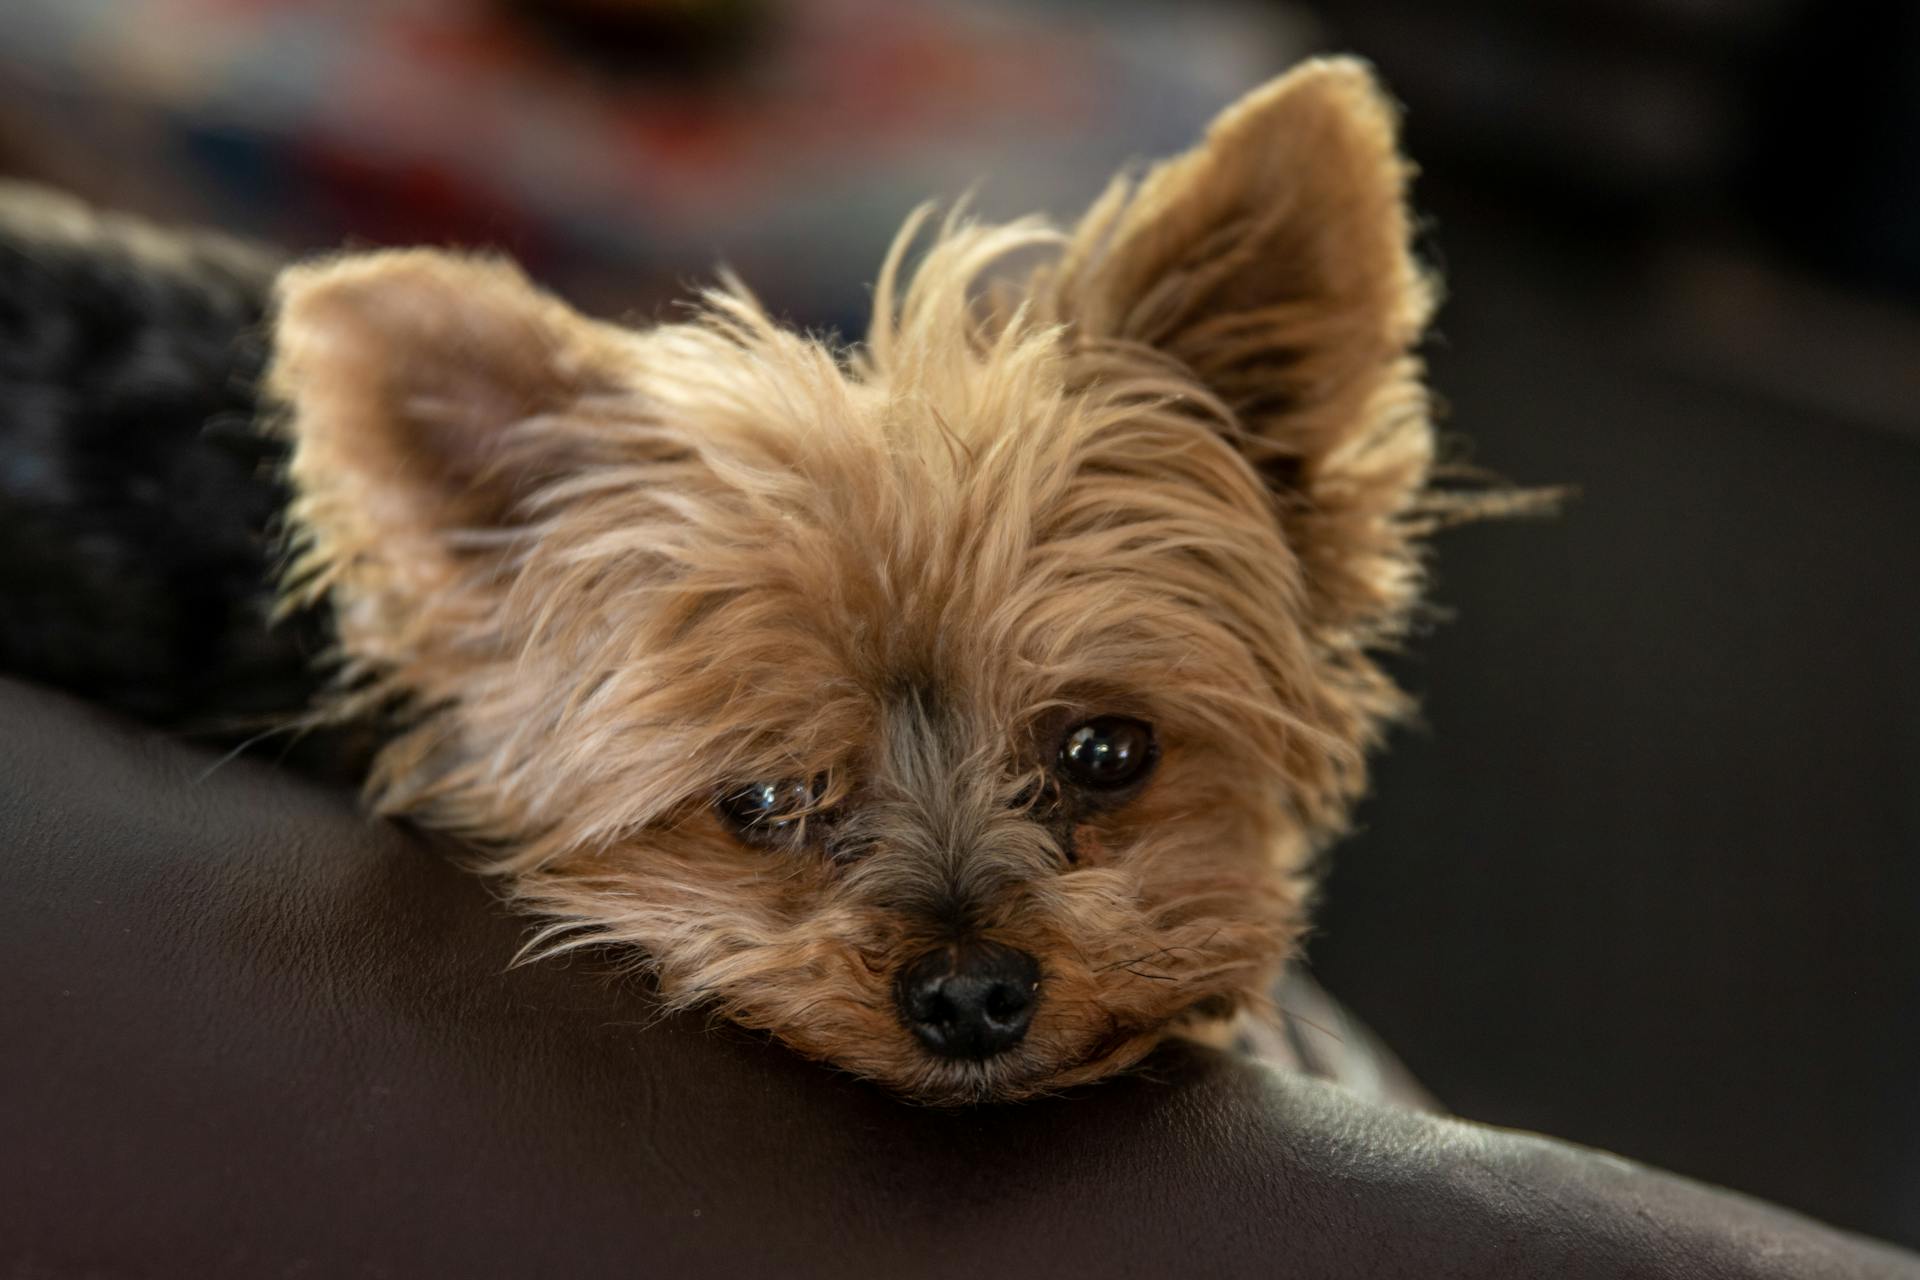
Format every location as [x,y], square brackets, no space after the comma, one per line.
[969,1000]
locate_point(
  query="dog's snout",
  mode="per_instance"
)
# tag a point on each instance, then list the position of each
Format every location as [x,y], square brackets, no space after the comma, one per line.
[970,999]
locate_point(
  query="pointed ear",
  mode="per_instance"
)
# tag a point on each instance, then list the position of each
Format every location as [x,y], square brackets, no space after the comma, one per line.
[415,383]
[1273,258]
[1271,263]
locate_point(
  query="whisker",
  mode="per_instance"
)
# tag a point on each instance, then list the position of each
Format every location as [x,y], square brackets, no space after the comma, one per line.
[235,754]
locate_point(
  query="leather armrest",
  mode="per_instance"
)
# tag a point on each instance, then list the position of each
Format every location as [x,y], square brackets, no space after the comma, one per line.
[245,1031]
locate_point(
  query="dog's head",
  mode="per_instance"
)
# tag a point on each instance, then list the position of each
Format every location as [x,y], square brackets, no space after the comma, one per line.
[963,708]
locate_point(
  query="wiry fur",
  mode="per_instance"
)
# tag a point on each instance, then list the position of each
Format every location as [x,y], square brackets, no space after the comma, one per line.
[1177,472]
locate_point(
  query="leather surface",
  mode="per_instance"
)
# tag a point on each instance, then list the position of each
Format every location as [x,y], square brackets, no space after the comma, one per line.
[243,1031]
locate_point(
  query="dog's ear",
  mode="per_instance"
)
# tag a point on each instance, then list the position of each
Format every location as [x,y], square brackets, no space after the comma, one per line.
[421,388]
[1271,263]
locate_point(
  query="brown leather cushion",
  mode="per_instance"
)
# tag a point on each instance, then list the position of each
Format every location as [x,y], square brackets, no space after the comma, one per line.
[247,1032]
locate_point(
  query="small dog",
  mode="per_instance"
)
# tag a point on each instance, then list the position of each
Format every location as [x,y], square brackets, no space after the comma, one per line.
[966,708]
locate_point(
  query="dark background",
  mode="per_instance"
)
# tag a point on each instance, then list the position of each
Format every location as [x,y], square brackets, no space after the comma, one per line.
[1648,875]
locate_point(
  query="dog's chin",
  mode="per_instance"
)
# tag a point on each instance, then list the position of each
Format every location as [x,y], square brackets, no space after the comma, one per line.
[1028,1072]
[1051,1060]
[1015,1075]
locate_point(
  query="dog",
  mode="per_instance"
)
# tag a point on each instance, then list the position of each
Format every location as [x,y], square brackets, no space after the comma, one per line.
[967,708]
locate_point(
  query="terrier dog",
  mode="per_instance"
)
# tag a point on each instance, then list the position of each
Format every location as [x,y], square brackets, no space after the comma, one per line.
[965,708]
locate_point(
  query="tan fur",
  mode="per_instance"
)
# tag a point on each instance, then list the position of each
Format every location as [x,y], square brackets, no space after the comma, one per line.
[603,574]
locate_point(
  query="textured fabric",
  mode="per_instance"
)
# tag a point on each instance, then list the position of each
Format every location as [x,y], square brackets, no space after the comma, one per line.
[246,1032]
[1314,1033]
[137,494]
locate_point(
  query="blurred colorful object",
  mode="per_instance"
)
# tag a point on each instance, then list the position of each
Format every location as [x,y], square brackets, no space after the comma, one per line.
[789,138]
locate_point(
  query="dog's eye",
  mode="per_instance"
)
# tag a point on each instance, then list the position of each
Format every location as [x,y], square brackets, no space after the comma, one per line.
[770,812]
[1108,753]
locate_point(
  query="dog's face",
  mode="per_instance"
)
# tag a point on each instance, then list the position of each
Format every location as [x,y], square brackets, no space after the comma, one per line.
[963,708]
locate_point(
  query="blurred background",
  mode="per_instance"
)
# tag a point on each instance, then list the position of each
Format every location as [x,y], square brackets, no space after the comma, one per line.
[1648,874]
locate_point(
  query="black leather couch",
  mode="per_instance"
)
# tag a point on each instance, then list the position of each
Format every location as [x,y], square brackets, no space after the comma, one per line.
[246,1032]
